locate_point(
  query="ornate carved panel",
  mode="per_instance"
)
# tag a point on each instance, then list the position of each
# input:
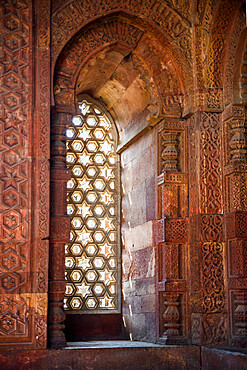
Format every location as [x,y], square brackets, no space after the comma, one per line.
[211,228]
[212,278]
[16,313]
[210,164]
[238,299]
[233,58]
[176,230]
[193,164]
[209,329]
[236,195]
[216,50]
[68,19]
[236,225]
[237,258]
[15,172]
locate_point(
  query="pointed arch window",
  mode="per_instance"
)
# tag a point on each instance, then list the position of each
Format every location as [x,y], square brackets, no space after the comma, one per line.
[92,256]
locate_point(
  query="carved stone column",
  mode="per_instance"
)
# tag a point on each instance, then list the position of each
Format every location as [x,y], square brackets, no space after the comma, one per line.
[59,228]
[172,317]
[235,172]
[238,142]
[171,232]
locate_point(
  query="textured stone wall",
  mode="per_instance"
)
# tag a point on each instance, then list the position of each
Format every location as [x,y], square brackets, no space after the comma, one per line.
[138,252]
[172,75]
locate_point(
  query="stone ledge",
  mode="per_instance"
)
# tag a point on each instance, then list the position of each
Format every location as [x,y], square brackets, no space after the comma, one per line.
[143,357]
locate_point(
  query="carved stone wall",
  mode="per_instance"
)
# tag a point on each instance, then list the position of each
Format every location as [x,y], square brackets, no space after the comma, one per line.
[175,84]
[236,221]
[207,247]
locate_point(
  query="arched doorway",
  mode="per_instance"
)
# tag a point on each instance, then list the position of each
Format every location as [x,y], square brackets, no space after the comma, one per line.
[126,76]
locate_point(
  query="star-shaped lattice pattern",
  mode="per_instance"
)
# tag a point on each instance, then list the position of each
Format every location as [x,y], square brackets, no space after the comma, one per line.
[92,205]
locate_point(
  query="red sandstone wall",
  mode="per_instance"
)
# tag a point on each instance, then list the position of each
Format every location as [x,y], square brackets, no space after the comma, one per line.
[190,69]
[138,252]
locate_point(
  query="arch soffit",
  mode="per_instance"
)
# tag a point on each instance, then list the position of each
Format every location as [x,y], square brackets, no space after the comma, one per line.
[223,21]
[240,63]
[108,31]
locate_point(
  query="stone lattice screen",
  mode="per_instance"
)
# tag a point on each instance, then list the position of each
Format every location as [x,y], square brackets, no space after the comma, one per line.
[93,251]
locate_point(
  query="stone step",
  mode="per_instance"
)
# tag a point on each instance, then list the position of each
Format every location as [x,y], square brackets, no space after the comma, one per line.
[112,355]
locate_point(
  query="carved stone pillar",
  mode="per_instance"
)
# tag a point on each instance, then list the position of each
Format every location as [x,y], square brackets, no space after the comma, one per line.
[171,232]
[235,172]
[59,229]
[206,231]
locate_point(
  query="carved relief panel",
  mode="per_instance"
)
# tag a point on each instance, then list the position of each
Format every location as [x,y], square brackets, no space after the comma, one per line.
[172,231]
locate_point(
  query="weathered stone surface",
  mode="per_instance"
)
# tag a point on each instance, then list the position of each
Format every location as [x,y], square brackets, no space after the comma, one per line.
[173,77]
[223,359]
[105,358]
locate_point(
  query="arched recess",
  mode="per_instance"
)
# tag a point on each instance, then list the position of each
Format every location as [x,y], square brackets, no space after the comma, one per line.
[224,20]
[134,76]
[235,170]
[240,79]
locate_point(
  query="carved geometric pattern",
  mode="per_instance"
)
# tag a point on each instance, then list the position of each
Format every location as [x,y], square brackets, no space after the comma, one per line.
[210,164]
[92,254]
[176,230]
[237,258]
[14,313]
[215,51]
[211,228]
[212,278]
[193,167]
[236,225]
[232,57]
[236,185]
[15,128]
[241,225]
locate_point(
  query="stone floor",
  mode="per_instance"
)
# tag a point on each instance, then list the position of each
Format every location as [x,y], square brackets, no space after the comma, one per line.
[109,344]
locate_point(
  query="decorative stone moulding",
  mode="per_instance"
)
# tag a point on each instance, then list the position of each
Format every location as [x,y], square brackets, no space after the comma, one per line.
[238,142]
[170,153]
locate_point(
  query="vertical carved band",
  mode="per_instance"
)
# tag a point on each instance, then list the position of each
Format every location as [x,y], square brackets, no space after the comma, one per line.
[59,229]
